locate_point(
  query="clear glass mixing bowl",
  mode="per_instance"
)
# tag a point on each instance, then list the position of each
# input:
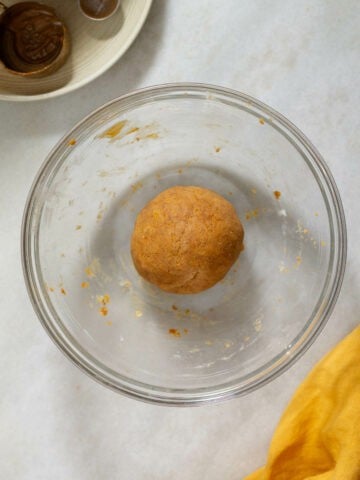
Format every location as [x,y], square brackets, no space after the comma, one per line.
[183,349]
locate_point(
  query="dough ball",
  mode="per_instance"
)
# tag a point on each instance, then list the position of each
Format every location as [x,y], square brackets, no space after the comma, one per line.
[186,239]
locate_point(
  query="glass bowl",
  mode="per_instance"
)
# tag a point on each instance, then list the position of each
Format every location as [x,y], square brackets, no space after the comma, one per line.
[183,349]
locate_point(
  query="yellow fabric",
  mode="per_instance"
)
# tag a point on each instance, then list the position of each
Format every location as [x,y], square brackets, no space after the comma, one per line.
[318,437]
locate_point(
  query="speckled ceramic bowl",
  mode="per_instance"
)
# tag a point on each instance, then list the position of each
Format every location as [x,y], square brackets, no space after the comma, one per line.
[183,349]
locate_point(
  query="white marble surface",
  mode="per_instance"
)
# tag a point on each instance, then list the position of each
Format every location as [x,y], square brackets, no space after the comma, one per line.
[303,59]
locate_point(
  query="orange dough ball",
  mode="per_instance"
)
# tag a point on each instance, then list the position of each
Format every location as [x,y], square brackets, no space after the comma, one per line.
[186,239]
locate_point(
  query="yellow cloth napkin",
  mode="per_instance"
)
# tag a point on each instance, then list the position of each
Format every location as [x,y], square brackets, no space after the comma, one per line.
[318,437]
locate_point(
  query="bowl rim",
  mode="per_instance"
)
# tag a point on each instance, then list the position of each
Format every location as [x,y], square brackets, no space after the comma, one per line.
[264,374]
[12,97]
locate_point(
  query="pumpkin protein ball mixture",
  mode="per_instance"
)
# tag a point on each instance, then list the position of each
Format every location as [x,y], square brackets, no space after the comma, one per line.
[186,239]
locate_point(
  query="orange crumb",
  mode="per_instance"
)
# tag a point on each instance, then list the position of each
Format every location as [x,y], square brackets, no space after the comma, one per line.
[217,149]
[252,214]
[174,307]
[89,272]
[114,130]
[63,291]
[132,130]
[262,121]
[84,284]
[104,299]
[78,227]
[175,332]
[72,142]
[277,194]
[152,135]
[103,311]
[136,186]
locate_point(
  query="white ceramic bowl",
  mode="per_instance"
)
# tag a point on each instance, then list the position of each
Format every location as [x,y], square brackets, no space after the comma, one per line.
[95,47]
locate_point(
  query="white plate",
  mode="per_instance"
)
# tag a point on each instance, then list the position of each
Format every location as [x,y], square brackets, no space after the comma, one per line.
[95,47]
